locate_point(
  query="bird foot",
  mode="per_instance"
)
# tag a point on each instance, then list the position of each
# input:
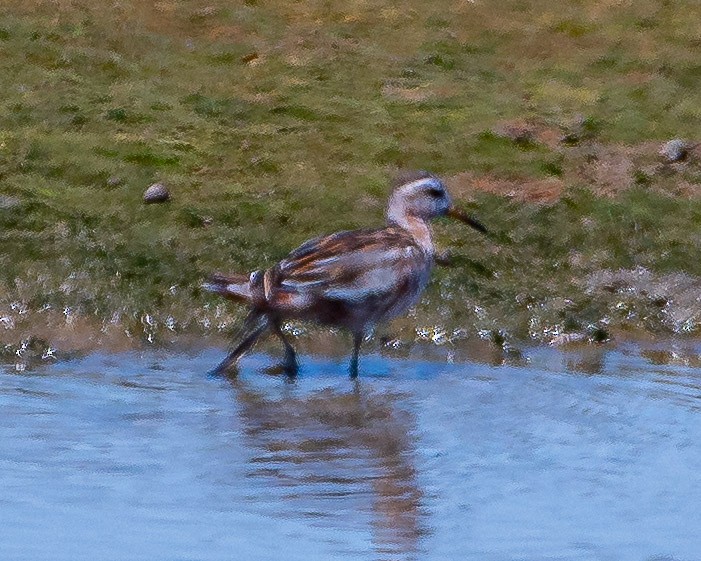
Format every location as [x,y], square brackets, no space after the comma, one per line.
[289,367]
[225,368]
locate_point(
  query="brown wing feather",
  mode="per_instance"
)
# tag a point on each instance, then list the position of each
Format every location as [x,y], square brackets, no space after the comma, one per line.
[351,265]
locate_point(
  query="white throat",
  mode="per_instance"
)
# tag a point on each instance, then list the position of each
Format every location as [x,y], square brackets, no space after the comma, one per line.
[417,227]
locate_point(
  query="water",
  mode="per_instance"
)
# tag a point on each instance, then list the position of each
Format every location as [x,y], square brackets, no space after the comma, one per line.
[589,455]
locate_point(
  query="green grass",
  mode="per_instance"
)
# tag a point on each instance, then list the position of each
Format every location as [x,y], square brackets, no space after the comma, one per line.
[273,123]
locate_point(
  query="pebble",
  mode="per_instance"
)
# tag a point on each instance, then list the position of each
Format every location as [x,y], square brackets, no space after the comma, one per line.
[675,150]
[8,202]
[156,193]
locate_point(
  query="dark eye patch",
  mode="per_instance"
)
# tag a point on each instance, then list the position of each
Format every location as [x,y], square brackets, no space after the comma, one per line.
[436,192]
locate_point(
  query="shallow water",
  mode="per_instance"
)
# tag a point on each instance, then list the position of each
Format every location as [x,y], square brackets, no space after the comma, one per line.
[583,455]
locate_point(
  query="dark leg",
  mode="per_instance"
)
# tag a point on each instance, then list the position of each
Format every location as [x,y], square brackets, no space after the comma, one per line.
[357,340]
[291,364]
[255,324]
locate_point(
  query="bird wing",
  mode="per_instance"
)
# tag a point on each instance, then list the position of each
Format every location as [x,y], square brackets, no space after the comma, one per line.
[352,265]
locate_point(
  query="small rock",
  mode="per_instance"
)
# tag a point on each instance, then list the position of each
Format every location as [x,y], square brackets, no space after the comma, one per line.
[114,181]
[7,202]
[675,150]
[157,193]
[567,339]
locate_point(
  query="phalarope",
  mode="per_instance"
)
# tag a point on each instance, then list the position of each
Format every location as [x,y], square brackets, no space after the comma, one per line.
[353,279]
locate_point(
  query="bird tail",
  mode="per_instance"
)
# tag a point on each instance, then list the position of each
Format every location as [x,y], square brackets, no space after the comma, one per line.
[234,287]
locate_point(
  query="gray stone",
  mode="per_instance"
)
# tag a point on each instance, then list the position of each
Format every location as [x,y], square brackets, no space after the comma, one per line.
[7,202]
[675,150]
[114,181]
[156,193]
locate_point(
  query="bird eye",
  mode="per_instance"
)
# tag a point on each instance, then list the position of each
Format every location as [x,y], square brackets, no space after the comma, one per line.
[436,192]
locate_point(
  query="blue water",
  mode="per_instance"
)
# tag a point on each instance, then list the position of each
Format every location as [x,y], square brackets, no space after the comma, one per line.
[587,455]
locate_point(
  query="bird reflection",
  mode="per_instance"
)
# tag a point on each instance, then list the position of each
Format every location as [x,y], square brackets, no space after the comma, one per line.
[339,454]
[589,360]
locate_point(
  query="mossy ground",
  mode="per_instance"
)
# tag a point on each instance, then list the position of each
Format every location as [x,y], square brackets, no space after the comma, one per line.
[274,122]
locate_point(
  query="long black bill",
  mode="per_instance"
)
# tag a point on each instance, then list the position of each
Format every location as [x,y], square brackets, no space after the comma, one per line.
[467,219]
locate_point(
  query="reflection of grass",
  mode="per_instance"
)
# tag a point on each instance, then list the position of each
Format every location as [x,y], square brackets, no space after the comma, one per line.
[270,118]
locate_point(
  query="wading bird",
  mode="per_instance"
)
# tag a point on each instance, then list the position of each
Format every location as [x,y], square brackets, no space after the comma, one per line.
[353,279]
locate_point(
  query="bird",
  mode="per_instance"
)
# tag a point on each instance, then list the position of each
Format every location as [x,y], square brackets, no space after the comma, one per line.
[352,279]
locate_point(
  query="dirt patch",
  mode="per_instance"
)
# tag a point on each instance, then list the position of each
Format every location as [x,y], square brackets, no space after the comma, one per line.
[464,185]
[610,169]
[530,132]
[606,169]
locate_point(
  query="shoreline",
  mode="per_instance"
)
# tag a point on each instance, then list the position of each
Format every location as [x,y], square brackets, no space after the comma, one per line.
[60,340]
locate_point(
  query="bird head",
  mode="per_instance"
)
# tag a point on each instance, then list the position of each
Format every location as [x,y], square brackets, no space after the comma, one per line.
[425,196]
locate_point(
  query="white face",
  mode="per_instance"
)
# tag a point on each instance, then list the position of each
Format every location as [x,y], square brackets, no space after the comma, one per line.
[426,198]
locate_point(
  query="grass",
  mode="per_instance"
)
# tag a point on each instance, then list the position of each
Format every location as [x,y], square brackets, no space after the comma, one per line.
[274,123]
